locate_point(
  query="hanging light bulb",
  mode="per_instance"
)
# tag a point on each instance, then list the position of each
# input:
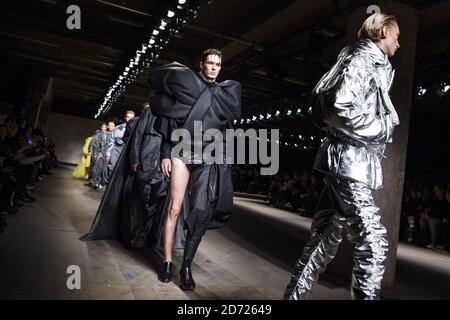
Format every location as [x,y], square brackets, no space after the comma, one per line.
[170,13]
[421,91]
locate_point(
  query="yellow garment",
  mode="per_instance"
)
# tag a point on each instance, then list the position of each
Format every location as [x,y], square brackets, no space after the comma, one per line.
[82,170]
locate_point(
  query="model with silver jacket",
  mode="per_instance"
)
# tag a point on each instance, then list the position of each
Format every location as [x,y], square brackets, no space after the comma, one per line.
[351,103]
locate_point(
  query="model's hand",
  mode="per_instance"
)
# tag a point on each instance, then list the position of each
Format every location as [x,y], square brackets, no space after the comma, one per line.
[135,167]
[166,167]
[107,159]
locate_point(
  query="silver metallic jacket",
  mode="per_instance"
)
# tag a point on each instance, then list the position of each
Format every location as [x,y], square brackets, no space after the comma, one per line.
[351,102]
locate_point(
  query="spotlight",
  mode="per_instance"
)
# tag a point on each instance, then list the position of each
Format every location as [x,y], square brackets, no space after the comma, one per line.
[446,87]
[443,89]
[170,13]
[277,113]
[421,91]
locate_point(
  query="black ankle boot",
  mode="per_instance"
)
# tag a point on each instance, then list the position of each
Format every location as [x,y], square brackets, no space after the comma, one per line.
[186,280]
[165,274]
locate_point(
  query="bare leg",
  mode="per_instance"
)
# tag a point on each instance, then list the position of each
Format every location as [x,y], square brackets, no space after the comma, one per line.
[178,183]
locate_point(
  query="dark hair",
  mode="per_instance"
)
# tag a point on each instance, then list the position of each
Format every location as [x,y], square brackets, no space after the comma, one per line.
[208,52]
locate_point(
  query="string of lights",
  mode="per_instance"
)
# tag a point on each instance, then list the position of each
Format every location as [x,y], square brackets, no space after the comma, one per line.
[300,139]
[148,52]
[441,89]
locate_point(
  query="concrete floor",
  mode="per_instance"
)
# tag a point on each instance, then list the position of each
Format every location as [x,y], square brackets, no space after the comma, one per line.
[242,261]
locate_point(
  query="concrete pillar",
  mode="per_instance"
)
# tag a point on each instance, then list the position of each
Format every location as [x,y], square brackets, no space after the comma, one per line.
[45,106]
[35,98]
[389,199]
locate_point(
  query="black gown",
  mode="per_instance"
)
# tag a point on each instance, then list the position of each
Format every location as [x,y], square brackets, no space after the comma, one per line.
[133,205]
[182,98]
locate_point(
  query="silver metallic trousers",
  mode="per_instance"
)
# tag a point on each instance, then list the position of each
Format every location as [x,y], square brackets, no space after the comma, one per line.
[349,205]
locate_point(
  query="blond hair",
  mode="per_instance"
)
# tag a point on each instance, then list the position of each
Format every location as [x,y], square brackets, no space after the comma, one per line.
[372,28]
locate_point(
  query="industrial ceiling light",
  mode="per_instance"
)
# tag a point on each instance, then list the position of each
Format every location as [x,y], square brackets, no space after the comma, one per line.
[421,91]
[148,53]
[443,89]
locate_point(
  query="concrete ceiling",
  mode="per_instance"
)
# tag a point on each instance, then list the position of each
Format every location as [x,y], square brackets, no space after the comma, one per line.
[276,49]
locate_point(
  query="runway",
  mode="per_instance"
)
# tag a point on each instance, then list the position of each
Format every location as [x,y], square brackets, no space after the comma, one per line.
[250,259]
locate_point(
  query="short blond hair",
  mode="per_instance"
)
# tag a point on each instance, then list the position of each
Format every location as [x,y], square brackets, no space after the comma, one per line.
[372,28]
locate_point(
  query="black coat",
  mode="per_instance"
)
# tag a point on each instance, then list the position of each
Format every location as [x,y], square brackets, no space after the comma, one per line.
[133,204]
[181,98]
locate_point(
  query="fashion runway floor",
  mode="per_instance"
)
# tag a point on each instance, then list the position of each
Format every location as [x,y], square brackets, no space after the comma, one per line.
[250,259]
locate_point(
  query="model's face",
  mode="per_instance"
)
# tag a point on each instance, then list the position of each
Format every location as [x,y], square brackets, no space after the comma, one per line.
[104,127]
[111,126]
[210,68]
[128,117]
[390,44]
